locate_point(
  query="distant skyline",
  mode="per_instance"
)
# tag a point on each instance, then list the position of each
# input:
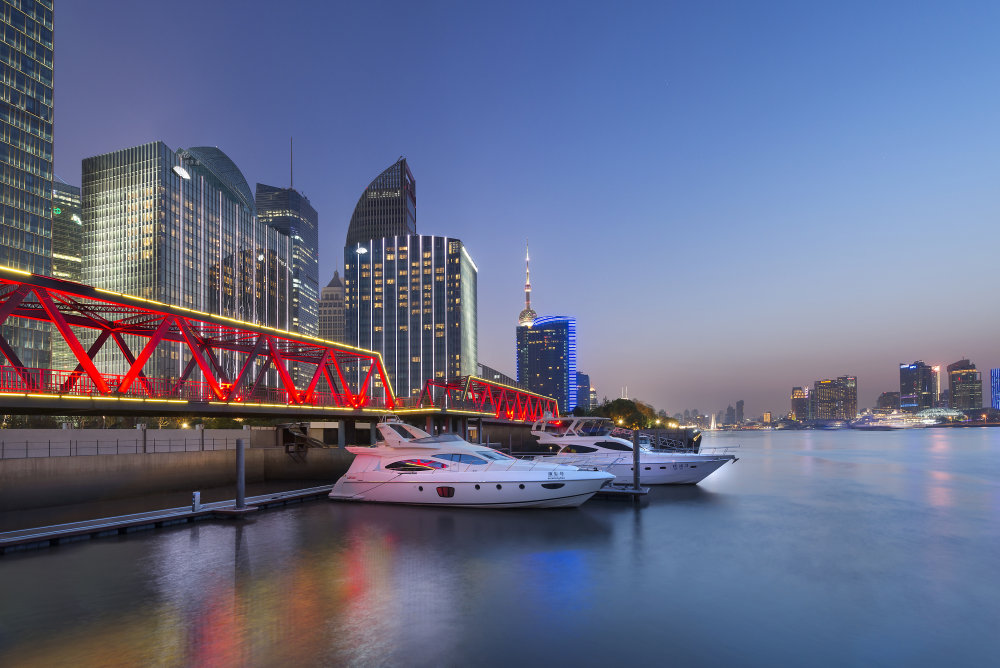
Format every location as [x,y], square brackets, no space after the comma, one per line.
[731,198]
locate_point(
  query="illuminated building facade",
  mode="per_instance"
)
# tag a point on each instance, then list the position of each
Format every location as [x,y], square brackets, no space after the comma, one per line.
[546,359]
[67,233]
[26,159]
[965,386]
[995,388]
[180,227]
[413,299]
[291,214]
[67,254]
[917,384]
[583,391]
[800,404]
[835,399]
[387,207]
[331,310]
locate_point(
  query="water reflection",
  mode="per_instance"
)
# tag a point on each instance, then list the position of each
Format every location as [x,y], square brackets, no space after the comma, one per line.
[887,540]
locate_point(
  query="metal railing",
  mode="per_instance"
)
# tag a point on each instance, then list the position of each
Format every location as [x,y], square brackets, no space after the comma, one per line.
[78,447]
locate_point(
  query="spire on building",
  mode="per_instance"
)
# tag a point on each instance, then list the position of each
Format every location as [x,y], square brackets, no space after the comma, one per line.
[527,316]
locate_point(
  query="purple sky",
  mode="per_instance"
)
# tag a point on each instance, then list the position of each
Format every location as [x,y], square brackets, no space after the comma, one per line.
[732,198]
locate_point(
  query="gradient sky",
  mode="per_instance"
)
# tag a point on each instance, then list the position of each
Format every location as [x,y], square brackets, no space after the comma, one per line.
[732,198]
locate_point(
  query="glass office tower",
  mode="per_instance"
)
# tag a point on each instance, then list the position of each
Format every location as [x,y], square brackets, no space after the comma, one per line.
[413,299]
[67,255]
[387,207]
[916,387]
[26,158]
[180,227]
[546,359]
[290,212]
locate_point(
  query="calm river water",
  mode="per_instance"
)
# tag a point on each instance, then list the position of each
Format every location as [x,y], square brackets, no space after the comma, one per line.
[815,549]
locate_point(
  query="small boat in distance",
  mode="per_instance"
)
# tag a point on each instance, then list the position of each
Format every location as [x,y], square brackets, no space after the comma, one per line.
[408,465]
[588,441]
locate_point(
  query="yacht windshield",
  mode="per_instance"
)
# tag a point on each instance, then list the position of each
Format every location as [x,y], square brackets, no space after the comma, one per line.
[440,438]
[493,454]
[594,428]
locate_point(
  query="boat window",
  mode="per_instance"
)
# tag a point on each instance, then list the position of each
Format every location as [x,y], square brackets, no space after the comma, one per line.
[578,449]
[493,454]
[614,445]
[552,485]
[460,458]
[446,492]
[594,428]
[398,428]
[379,438]
[415,465]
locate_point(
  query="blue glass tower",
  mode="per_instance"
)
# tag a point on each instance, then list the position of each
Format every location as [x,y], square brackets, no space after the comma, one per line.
[546,359]
[995,388]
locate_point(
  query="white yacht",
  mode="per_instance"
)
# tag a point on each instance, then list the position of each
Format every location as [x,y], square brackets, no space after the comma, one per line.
[408,465]
[588,441]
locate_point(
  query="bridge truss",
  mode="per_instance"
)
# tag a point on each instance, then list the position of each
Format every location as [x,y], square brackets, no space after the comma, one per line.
[215,361]
[477,395]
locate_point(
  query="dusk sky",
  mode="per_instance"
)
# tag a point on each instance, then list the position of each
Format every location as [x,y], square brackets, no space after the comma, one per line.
[731,198]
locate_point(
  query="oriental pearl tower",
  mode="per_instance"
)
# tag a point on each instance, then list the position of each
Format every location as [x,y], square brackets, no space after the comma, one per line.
[528,315]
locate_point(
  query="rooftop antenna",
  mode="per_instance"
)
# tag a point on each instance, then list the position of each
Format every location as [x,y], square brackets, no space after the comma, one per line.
[291,165]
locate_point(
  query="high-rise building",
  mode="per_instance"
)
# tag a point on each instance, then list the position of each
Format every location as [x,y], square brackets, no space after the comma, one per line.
[800,404]
[413,299]
[26,158]
[583,391]
[739,412]
[835,399]
[593,398]
[291,214]
[730,416]
[916,387]
[965,386]
[888,401]
[67,233]
[387,207]
[546,351]
[995,388]
[331,311]
[180,227]
[546,359]
[67,255]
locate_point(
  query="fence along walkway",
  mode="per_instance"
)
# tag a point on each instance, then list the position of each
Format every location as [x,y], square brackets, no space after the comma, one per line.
[18,449]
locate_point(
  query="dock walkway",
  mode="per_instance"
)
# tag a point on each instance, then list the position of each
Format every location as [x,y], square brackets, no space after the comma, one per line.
[40,537]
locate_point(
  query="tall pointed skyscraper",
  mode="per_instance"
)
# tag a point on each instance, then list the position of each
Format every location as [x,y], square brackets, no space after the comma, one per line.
[528,315]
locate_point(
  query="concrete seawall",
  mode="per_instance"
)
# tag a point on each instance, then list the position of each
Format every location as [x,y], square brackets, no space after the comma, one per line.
[40,482]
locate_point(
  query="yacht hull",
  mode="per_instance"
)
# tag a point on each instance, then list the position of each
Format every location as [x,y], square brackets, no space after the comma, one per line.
[426,491]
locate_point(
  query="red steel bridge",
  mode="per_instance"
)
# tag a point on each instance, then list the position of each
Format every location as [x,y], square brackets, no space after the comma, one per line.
[224,367]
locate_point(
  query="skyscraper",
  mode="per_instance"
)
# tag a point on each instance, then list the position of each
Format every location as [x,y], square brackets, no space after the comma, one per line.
[67,255]
[387,207]
[800,404]
[180,227]
[965,385]
[546,359]
[67,233]
[413,299]
[916,387]
[995,388]
[331,310]
[26,156]
[289,212]
[583,391]
[739,412]
[835,399]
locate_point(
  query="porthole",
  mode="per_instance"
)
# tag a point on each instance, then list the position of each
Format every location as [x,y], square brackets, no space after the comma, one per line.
[521,485]
[662,467]
[477,486]
[499,486]
[421,488]
[647,468]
